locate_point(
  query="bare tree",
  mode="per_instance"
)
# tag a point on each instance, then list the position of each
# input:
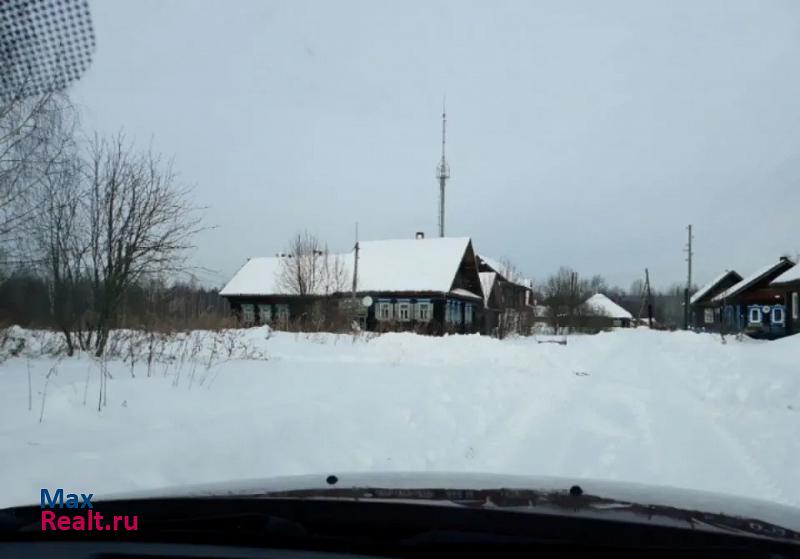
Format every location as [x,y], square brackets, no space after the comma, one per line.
[101,224]
[34,132]
[55,241]
[565,294]
[310,269]
[139,222]
[510,271]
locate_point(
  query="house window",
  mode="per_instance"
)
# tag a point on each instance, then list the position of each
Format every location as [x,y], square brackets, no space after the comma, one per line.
[265,314]
[283,314]
[616,323]
[795,305]
[248,314]
[457,317]
[468,310]
[777,315]
[424,311]
[384,311]
[404,311]
[709,316]
[755,315]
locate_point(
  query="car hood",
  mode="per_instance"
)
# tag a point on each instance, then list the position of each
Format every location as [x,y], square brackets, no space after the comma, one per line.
[542,495]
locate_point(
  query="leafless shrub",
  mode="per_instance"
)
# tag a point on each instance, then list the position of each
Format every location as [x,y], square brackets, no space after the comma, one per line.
[310,269]
[52,372]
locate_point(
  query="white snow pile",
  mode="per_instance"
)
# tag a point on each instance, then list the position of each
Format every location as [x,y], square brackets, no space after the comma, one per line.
[669,409]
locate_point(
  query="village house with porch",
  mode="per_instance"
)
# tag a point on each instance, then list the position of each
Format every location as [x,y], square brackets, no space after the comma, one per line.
[424,285]
[755,305]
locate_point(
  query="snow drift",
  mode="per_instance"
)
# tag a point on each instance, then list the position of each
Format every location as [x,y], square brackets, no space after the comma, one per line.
[675,409]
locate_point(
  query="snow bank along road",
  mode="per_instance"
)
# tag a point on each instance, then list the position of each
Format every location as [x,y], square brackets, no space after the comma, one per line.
[677,409]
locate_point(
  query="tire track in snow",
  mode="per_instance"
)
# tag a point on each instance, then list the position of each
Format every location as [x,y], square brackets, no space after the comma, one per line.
[766,487]
[506,444]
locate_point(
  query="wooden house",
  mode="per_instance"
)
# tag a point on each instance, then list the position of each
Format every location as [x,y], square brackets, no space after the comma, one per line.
[755,306]
[788,286]
[507,300]
[705,312]
[424,285]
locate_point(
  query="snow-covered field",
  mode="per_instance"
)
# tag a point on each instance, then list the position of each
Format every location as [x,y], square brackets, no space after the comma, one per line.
[677,409]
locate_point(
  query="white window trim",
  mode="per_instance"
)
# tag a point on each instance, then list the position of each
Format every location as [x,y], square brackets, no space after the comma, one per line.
[426,307]
[750,315]
[407,307]
[708,316]
[379,311]
[248,313]
[265,310]
[772,315]
[795,305]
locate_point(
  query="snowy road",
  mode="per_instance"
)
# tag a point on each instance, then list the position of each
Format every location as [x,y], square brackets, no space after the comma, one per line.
[674,409]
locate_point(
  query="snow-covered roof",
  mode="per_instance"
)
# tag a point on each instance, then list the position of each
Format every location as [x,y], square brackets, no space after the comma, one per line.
[792,274]
[504,272]
[461,292]
[703,291]
[775,268]
[492,263]
[390,265]
[599,303]
[487,282]
[410,264]
[259,276]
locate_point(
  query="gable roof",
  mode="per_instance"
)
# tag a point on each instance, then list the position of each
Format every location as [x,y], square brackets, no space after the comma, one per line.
[503,271]
[390,265]
[258,276]
[765,274]
[491,263]
[605,306]
[792,274]
[710,286]
[409,264]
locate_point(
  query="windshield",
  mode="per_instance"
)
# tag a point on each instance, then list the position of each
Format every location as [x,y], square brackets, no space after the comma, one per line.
[253,239]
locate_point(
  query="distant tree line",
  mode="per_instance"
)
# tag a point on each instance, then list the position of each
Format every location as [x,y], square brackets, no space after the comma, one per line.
[151,305]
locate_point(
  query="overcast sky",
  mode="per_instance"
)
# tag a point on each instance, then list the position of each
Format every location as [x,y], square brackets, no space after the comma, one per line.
[580,133]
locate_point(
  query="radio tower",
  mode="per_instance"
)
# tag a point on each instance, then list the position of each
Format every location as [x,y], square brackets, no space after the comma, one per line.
[442,172]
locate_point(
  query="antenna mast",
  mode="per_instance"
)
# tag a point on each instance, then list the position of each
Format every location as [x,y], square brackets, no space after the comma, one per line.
[443,171]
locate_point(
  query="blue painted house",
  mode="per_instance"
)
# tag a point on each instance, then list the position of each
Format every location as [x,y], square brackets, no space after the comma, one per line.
[754,305]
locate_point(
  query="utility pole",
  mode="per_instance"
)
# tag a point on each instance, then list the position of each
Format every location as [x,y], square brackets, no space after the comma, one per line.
[355,266]
[649,298]
[442,172]
[689,255]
